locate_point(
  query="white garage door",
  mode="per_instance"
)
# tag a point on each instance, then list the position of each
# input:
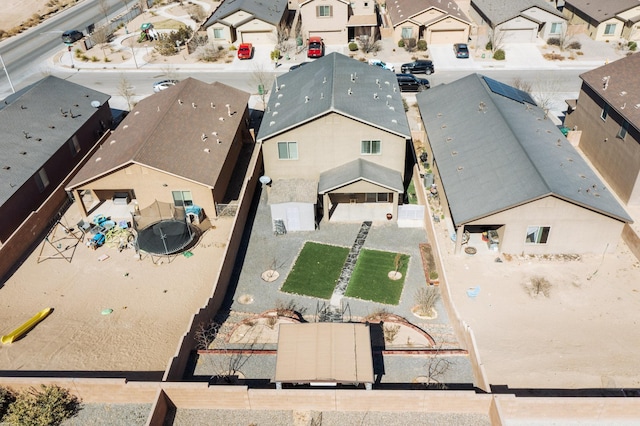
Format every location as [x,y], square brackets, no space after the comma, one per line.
[519,36]
[447,37]
[258,37]
[330,37]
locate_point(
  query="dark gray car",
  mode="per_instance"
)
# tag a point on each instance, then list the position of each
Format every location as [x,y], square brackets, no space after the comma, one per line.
[411,83]
[71,36]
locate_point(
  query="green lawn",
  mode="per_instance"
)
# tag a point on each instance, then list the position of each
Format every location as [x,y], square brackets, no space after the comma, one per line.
[316,270]
[370,279]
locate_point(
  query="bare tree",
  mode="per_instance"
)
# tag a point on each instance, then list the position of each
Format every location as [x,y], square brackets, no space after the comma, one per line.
[126,91]
[496,40]
[282,37]
[197,12]
[104,8]
[436,368]
[368,44]
[264,80]
[101,37]
[426,299]
[544,92]
[538,285]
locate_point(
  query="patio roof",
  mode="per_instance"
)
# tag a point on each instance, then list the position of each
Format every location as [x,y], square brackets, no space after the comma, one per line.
[324,353]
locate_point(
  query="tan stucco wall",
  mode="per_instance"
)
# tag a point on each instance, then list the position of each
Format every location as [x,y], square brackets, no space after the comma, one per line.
[518,30]
[147,185]
[543,16]
[459,31]
[397,31]
[574,229]
[227,36]
[595,32]
[617,160]
[256,25]
[316,25]
[328,142]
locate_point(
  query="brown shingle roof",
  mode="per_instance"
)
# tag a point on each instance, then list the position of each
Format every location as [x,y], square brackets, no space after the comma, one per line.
[622,88]
[172,131]
[602,10]
[402,10]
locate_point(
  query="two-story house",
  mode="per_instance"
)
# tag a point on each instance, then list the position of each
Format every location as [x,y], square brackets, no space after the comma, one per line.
[338,21]
[334,136]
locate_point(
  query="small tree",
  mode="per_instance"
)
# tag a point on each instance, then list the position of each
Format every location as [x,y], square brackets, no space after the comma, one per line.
[496,41]
[353,47]
[390,332]
[426,299]
[539,285]
[422,45]
[101,36]
[50,405]
[264,80]
[436,367]
[410,44]
[368,44]
[126,91]
[499,55]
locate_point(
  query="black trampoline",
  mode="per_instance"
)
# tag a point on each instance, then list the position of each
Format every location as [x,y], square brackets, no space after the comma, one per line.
[166,237]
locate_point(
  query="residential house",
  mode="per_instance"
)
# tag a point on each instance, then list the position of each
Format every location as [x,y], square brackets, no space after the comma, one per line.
[247,21]
[334,137]
[518,21]
[607,118]
[179,146]
[437,22]
[339,21]
[47,130]
[605,20]
[505,168]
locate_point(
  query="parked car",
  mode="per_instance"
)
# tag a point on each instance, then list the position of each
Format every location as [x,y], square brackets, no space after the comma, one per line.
[71,36]
[245,51]
[296,66]
[422,66]
[315,48]
[411,83]
[159,86]
[379,63]
[461,50]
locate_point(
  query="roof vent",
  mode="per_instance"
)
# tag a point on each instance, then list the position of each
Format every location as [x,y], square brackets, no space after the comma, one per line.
[6,168]
[460,168]
[125,127]
[98,159]
[623,93]
[112,142]
[375,96]
[228,110]
[306,99]
[454,153]
[193,105]
[218,141]
[277,104]
[279,95]
[272,123]
[203,137]
[213,106]
[221,118]
[324,80]
[394,121]
[180,102]
[605,82]
[135,113]
[349,92]
[352,79]
[23,152]
[274,113]
[158,108]
[321,95]
[207,150]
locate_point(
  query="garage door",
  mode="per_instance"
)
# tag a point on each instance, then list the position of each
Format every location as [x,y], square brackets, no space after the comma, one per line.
[446,37]
[258,37]
[526,35]
[330,37]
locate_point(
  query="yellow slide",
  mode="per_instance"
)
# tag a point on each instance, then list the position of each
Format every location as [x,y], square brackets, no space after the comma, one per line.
[18,332]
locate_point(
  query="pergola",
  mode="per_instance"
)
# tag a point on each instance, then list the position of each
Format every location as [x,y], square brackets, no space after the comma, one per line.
[324,354]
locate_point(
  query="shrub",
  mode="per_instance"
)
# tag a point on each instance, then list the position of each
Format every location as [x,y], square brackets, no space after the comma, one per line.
[95,59]
[575,45]
[275,55]
[433,275]
[422,45]
[401,43]
[233,47]
[553,41]
[6,398]
[410,44]
[488,46]
[499,55]
[48,406]
[353,46]
[632,45]
[426,299]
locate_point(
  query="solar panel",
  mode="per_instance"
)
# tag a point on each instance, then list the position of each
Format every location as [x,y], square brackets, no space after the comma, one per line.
[508,91]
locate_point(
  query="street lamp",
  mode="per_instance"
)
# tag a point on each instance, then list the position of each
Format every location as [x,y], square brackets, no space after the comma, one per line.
[70,55]
[7,73]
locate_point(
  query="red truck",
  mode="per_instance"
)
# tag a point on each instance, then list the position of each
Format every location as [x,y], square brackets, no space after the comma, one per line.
[315,47]
[245,51]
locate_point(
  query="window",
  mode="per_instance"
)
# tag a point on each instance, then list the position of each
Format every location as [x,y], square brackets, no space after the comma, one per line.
[407,32]
[537,234]
[623,130]
[74,146]
[610,29]
[377,197]
[370,147]
[218,33]
[288,150]
[42,180]
[605,112]
[556,28]
[182,198]
[324,11]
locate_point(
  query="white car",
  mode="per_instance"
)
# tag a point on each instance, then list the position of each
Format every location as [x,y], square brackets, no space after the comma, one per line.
[383,65]
[164,84]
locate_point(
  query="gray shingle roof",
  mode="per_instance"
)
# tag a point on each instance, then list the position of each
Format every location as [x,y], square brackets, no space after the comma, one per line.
[270,11]
[494,153]
[360,170]
[402,10]
[499,11]
[602,10]
[165,131]
[36,112]
[335,83]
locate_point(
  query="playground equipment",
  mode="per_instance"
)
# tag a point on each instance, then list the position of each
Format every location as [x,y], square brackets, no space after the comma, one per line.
[24,328]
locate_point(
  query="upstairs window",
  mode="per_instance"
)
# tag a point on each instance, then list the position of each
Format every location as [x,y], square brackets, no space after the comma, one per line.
[623,130]
[324,11]
[370,147]
[42,180]
[218,33]
[605,112]
[182,198]
[288,150]
[556,28]
[74,146]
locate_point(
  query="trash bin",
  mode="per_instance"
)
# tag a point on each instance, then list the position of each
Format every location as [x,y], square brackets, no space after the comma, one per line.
[260,89]
[428,180]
